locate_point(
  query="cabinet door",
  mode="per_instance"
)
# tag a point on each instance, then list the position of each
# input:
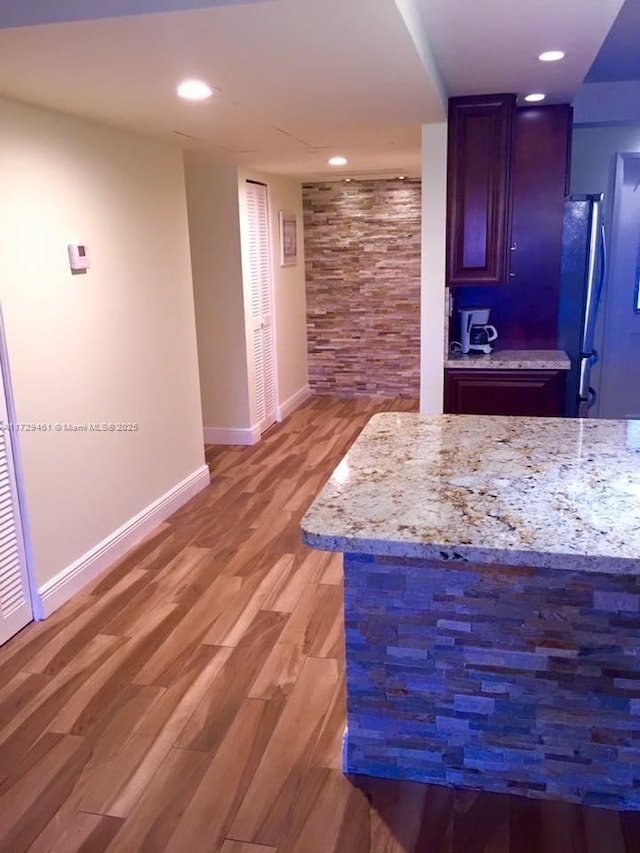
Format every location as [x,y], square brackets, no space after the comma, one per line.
[259,255]
[539,393]
[525,313]
[479,189]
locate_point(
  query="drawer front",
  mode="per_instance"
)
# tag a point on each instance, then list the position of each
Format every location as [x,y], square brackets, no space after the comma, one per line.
[538,393]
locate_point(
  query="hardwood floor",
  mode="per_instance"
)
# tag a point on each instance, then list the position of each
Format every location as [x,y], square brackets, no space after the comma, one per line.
[192,699]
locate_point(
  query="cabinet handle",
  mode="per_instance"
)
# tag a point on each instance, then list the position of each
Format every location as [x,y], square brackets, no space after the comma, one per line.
[512,248]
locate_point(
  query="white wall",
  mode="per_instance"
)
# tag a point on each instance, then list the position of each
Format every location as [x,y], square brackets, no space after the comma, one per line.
[601,103]
[593,156]
[432,303]
[289,288]
[214,226]
[116,344]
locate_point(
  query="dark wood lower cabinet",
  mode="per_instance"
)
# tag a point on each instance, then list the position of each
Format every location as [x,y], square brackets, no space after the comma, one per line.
[505,392]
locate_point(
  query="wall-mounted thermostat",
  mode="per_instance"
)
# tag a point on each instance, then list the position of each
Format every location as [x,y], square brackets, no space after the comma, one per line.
[78,256]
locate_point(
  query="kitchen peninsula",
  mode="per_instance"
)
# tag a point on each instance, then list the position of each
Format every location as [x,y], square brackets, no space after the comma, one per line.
[492,602]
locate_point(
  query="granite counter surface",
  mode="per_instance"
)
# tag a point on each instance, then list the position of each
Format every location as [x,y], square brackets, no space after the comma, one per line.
[552,492]
[511,360]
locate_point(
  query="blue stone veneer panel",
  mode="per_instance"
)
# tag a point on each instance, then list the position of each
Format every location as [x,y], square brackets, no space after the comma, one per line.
[502,678]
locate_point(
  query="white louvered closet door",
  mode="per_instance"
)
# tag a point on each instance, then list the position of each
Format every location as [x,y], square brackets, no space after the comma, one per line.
[261,304]
[15,602]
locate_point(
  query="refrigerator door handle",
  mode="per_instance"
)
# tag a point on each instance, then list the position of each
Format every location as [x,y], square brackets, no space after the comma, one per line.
[604,261]
[585,405]
[593,287]
[583,381]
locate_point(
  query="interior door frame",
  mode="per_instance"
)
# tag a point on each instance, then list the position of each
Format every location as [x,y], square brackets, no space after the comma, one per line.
[271,232]
[24,533]
[274,260]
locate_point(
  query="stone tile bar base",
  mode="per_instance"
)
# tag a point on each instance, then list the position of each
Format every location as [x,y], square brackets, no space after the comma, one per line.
[508,679]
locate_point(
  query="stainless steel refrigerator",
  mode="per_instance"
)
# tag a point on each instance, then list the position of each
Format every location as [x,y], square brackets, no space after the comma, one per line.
[583,271]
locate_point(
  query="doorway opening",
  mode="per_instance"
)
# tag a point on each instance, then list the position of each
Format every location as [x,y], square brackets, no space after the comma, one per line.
[619,392]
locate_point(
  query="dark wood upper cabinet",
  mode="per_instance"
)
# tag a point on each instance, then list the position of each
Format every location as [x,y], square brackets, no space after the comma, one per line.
[479,189]
[525,312]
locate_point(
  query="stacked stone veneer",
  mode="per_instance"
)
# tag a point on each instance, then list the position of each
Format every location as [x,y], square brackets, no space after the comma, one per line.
[362,251]
[505,679]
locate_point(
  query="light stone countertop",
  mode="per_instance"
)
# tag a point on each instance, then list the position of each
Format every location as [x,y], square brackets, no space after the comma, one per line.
[511,360]
[555,492]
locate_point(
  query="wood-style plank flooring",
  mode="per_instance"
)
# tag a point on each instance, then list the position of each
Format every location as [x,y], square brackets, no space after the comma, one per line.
[192,699]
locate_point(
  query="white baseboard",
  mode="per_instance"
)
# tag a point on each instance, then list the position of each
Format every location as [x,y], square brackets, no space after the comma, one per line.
[55,592]
[214,435]
[290,405]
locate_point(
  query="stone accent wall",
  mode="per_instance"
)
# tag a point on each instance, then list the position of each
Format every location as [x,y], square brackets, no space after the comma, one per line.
[509,679]
[362,251]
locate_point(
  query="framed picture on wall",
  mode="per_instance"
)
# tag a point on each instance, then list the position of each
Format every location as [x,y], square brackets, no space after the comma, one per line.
[288,239]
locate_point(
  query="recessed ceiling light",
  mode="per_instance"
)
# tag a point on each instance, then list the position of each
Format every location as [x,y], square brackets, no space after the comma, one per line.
[338,161]
[551,56]
[194,90]
[536,96]
[401,177]
[347,180]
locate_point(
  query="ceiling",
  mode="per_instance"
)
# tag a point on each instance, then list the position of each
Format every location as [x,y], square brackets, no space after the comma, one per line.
[296,80]
[619,56]
[493,46]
